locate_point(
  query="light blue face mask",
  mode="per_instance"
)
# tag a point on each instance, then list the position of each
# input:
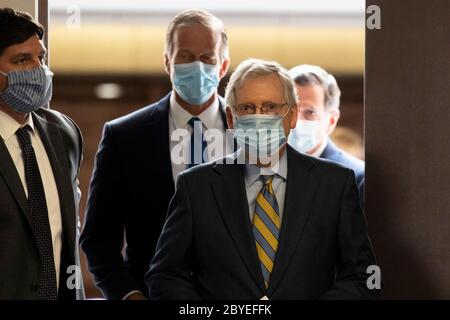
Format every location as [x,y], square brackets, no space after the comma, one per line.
[260,135]
[304,137]
[195,82]
[28,90]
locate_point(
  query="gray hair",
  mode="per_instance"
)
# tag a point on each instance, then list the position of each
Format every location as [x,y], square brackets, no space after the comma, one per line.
[307,75]
[202,17]
[252,68]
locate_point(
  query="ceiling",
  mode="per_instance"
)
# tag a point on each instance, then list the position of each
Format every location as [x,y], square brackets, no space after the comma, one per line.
[110,37]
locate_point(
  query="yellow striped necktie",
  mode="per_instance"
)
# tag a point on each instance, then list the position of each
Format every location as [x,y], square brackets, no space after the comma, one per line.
[266,228]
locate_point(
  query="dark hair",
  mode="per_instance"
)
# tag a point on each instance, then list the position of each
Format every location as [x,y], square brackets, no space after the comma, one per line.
[16,27]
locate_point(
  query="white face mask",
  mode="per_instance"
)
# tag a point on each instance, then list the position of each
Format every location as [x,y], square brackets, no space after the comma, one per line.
[304,136]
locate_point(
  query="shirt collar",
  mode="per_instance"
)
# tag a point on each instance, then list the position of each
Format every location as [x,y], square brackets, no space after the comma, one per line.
[253,172]
[181,116]
[9,126]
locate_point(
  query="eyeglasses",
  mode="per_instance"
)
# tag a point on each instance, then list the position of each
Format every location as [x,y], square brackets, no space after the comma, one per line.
[269,108]
[312,113]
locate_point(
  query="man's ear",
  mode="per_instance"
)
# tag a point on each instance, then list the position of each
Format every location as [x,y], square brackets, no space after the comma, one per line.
[230,122]
[167,63]
[294,115]
[332,122]
[224,67]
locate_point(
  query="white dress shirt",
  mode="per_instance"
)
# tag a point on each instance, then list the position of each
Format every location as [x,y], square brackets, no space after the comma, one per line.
[180,134]
[253,183]
[8,128]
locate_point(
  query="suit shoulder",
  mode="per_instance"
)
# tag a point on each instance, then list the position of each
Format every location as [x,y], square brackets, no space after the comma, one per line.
[57,118]
[320,165]
[199,171]
[65,124]
[139,117]
[352,162]
[132,119]
[348,161]
[332,152]
[70,132]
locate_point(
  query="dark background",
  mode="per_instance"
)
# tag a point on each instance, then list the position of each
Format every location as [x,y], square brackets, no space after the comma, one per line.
[407,117]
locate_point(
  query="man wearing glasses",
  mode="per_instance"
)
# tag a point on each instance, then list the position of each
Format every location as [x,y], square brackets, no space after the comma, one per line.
[318,115]
[267,222]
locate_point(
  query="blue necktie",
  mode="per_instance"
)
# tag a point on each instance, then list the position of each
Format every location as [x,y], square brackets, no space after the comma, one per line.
[198,143]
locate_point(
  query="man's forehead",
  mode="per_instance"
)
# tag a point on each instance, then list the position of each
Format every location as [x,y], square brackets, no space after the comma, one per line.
[32,45]
[185,33]
[271,79]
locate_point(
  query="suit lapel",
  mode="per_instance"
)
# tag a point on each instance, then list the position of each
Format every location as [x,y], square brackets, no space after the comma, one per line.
[159,127]
[229,192]
[159,123]
[223,114]
[57,155]
[9,172]
[300,190]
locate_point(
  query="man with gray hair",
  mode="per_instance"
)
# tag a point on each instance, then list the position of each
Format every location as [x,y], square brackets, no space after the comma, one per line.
[135,168]
[286,226]
[318,114]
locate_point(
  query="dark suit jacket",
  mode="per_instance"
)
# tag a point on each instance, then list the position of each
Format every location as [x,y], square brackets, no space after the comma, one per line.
[130,191]
[207,249]
[332,152]
[19,256]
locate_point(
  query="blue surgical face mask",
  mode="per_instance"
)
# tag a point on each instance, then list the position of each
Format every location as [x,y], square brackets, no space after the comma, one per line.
[304,137]
[262,136]
[195,82]
[28,90]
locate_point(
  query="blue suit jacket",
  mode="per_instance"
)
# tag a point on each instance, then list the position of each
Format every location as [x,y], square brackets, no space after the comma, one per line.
[130,190]
[332,152]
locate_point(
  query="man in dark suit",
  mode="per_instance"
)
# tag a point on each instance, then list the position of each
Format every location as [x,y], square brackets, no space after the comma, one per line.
[318,114]
[332,152]
[40,156]
[268,223]
[138,159]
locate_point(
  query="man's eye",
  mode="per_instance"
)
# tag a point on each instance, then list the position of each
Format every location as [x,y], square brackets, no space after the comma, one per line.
[309,114]
[21,61]
[185,56]
[244,107]
[208,58]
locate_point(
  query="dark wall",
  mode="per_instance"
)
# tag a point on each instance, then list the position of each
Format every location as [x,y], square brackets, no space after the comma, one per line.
[407,149]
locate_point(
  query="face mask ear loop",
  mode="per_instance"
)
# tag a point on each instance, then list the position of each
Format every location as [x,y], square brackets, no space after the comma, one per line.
[6,76]
[289,109]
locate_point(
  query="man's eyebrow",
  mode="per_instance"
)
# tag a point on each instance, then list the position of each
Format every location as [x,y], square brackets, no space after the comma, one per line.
[184,51]
[22,55]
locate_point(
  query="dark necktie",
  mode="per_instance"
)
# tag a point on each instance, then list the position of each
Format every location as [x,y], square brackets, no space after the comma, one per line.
[37,207]
[198,143]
